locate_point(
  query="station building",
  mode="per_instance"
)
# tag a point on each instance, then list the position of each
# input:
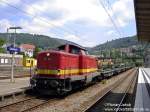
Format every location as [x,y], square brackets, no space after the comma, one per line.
[6,60]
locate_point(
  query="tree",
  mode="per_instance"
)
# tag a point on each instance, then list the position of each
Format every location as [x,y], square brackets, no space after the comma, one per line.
[2,42]
[36,51]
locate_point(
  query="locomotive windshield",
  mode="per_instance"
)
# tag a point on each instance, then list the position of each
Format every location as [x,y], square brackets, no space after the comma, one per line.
[61,48]
[74,50]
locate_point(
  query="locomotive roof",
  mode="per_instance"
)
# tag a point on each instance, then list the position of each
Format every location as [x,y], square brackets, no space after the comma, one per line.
[75,45]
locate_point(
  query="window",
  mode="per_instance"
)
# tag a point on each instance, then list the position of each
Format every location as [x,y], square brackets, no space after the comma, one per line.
[6,60]
[84,52]
[74,50]
[2,60]
[28,61]
[61,48]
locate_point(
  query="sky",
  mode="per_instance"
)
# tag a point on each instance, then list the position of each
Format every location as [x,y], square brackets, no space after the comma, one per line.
[82,21]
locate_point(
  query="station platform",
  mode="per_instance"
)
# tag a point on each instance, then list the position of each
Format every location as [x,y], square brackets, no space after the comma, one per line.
[142,100]
[10,88]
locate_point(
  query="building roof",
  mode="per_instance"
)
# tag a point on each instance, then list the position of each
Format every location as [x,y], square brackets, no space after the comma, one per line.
[142,15]
[75,45]
[27,46]
[10,55]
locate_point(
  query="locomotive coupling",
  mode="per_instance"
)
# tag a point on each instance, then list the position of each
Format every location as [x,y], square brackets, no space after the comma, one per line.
[33,82]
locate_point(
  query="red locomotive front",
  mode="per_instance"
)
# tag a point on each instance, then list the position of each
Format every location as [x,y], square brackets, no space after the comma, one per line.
[60,70]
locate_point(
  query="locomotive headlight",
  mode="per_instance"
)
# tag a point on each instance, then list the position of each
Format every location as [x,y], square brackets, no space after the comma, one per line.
[48,54]
[58,72]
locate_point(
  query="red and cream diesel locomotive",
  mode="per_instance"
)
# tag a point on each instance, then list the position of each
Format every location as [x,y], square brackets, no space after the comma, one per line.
[58,71]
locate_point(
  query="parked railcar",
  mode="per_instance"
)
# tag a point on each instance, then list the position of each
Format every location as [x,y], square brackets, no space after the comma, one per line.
[29,62]
[60,71]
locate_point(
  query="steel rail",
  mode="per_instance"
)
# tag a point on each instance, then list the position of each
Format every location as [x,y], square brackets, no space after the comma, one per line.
[25,101]
[36,106]
[125,94]
[106,93]
[16,76]
[48,101]
[33,107]
[17,102]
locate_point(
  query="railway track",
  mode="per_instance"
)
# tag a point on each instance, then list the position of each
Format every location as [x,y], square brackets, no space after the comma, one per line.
[33,104]
[16,76]
[125,94]
[102,101]
[25,105]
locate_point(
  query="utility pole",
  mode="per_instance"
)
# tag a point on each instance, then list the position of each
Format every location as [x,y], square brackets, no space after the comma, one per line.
[7,37]
[13,54]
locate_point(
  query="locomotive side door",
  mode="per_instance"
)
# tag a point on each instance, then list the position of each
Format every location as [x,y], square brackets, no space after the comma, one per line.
[83,65]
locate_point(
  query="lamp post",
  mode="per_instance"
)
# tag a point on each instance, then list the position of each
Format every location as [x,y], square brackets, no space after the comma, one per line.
[13,53]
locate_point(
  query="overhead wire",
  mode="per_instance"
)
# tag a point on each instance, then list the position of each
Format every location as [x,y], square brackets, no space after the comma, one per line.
[39,18]
[33,16]
[65,30]
[116,18]
[111,19]
[27,4]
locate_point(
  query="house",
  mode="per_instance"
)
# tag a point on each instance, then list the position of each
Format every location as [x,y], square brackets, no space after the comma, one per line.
[127,51]
[27,49]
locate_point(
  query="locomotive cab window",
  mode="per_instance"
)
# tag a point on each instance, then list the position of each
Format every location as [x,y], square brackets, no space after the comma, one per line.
[84,52]
[74,50]
[61,48]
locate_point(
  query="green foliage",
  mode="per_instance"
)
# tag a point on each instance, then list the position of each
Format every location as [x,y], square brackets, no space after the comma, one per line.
[2,42]
[118,43]
[36,51]
[41,41]
[2,50]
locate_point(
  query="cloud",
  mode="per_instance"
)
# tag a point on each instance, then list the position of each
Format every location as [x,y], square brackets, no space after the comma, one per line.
[60,18]
[12,2]
[110,32]
[124,11]
[82,40]
[88,10]
[36,26]
[4,24]
[88,44]
[71,37]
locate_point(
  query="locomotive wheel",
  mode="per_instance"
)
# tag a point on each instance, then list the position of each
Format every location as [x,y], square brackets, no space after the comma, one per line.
[61,92]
